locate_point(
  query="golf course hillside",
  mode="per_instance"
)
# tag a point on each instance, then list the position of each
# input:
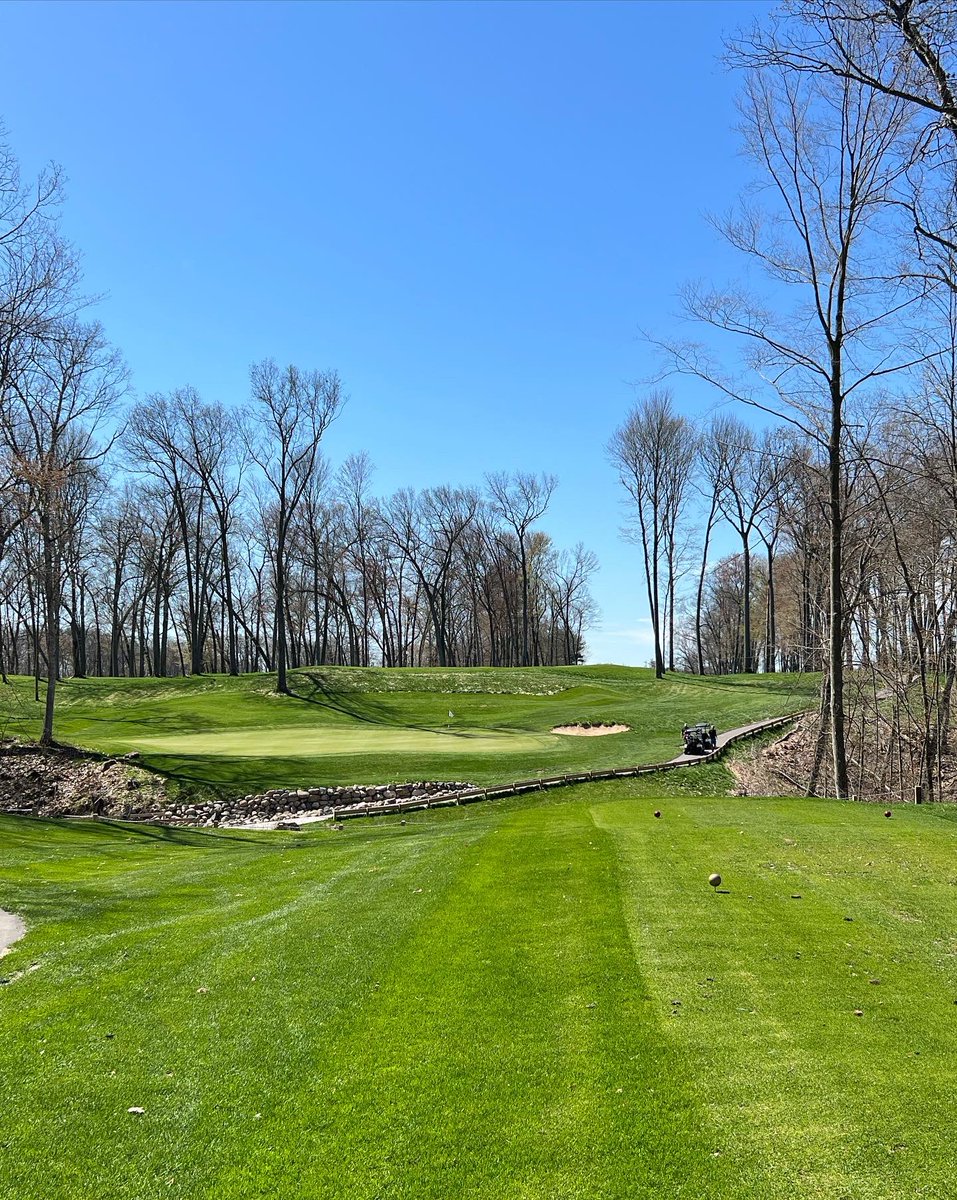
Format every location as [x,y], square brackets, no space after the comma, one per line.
[346,725]
[528,998]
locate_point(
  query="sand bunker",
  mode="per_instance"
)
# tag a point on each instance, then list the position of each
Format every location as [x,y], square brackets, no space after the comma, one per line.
[12,929]
[590,730]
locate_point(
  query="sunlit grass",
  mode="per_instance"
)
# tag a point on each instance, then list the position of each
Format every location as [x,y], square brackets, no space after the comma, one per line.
[511,1000]
[348,725]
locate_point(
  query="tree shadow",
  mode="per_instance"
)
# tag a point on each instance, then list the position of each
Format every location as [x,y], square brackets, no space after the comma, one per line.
[41,830]
[359,707]
[355,705]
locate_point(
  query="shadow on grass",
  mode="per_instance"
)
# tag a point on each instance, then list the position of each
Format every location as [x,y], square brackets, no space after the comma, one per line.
[354,705]
[24,832]
[358,707]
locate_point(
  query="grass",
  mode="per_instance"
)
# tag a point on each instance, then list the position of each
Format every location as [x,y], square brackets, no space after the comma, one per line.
[514,1000]
[338,741]
[345,725]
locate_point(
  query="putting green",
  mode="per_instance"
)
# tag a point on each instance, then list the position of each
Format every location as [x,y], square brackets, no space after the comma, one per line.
[294,741]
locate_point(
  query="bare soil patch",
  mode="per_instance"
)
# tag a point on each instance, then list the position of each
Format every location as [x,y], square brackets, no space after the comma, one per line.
[59,782]
[793,765]
[590,730]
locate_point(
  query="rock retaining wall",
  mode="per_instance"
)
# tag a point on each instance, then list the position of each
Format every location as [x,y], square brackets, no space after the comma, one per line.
[286,805]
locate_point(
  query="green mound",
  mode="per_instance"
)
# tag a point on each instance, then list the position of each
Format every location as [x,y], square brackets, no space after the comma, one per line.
[350,725]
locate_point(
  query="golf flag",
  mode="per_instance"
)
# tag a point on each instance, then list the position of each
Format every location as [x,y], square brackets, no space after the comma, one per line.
[451,715]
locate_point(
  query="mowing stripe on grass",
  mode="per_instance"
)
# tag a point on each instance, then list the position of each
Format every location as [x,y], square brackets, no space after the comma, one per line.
[770,977]
[201,980]
[512,1051]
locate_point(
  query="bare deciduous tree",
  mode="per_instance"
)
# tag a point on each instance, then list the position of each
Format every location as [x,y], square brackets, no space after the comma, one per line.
[826,151]
[291,410]
[63,394]
[654,452]
[520,500]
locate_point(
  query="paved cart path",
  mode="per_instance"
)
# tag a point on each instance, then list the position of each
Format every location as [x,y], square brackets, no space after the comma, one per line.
[12,929]
[729,735]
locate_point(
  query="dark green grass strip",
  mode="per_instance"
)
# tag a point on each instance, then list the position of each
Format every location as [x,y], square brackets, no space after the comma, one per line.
[221,968]
[448,1009]
[514,1051]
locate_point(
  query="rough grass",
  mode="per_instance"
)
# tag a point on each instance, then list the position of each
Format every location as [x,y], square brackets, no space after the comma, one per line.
[346,725]
[528,1000]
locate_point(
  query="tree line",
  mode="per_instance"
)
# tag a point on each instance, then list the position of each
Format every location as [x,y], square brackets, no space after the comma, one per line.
[838,491]
[175,536]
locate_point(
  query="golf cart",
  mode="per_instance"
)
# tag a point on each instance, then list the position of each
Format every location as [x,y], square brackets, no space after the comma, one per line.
[699,739]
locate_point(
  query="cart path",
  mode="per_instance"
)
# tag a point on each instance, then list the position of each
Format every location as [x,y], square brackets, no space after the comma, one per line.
[723,739]
[12,929]
[473,794]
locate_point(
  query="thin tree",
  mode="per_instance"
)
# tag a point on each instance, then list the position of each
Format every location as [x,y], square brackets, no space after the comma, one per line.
[291,410]
[520,500]
[65,394]
[825,149]
[653,451]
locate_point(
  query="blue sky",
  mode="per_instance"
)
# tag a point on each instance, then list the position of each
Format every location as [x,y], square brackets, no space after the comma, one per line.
[469,210]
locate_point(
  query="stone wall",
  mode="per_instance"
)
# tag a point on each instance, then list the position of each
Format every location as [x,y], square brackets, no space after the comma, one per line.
[289,804]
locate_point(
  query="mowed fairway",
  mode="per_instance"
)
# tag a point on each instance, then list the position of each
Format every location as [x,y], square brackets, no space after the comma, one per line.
[534,1000]
[350,725]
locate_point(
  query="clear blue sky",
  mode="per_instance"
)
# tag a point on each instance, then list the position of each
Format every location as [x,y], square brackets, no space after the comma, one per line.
[468,210]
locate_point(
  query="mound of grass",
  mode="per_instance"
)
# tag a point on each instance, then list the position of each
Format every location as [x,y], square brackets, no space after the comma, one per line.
[516,999]
[349,725]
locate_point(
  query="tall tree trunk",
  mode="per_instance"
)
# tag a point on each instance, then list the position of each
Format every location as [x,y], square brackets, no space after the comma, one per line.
[51,589]
[836,597]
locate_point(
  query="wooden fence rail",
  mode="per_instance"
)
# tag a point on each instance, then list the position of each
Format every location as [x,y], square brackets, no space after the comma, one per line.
[473,795]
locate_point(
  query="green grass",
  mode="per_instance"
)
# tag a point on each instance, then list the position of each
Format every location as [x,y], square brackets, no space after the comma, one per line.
[293,742]
[516,1000]
[347,725]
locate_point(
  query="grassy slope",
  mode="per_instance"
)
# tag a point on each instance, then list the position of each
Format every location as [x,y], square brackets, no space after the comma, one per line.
[480,1003]
[377,726]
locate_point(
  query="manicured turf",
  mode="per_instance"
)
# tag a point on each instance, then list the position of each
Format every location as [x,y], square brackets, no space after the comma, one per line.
[295,742]
[347,725]
[535,1000]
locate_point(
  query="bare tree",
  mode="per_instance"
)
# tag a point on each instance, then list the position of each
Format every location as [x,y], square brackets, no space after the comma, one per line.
[825,149]
[214,450]
[65,392]
[157,442]
[744,494]
[653,452]
[520,500]
[713,472]
[427,527]
[291,410]
[572,600]
[904,50]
